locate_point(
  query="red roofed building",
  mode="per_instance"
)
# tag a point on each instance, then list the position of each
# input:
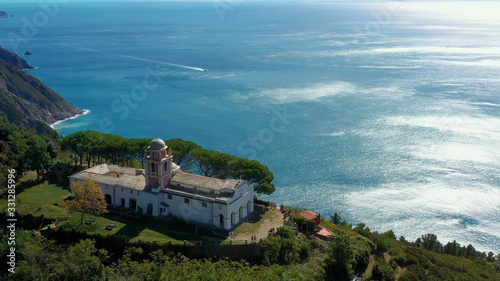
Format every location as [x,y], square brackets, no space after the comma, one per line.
[321,232]
[310,215]
[324,234]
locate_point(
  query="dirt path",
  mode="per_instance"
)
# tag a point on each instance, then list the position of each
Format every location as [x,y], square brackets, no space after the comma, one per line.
[371,263]
[275,221]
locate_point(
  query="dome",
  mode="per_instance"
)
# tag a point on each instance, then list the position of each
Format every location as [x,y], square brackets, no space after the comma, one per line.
[157,144]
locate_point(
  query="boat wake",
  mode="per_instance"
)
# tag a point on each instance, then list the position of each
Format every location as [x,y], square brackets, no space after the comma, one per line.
[163,63]
[146,60]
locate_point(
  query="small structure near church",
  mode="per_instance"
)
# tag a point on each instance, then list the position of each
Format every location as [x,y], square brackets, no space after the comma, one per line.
[162,188]
[319,231]
[310,215]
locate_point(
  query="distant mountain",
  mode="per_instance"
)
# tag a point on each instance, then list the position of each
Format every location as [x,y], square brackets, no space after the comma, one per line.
[27,101]
[3,14]
[13,59]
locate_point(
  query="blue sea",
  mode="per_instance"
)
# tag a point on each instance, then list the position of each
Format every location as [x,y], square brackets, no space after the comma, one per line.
[386,113]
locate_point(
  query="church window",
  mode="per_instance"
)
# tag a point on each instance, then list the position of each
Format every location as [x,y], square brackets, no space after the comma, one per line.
[169,196]
[165,167]
[153,167]
[204,204]
[186,200]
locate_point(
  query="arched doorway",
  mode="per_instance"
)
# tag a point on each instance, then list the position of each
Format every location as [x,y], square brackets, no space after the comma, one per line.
[221,220]
[108,199]
[150,209]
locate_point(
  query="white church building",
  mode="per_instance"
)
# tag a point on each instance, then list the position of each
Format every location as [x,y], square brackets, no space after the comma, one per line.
[162,188]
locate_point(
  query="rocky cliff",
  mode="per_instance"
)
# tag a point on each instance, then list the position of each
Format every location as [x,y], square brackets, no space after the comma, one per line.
[27,101]
[13,59]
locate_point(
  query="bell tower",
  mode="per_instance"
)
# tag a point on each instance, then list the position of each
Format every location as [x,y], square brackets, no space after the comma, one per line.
[158,164]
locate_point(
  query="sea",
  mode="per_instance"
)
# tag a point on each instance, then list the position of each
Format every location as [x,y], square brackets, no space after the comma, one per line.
[387,113]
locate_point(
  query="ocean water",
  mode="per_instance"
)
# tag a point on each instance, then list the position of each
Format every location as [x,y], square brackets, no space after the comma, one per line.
[386,113]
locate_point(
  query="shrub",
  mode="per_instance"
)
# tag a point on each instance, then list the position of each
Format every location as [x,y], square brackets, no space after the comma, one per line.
[283,248]
[382,245]
[383,271]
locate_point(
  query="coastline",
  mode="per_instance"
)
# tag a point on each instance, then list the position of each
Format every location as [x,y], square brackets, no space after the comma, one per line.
[85,112]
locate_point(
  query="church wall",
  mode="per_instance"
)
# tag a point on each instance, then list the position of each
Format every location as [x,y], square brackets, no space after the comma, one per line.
[194,210]
[142,198]
[221,209]
[125,194]
[240,204]
[71,180]
[147,198]
[107,189]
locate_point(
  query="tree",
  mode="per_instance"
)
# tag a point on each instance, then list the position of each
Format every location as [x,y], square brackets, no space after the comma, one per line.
[212,163]
[283,248]
[254,172]
[39,158]
[136,148]
[335,219]
[88,198]
[431,243]
[340,259]
[82,262]
[490,257]
[362,230]
[71,143]
[452,248]
[18,144]
[181,150]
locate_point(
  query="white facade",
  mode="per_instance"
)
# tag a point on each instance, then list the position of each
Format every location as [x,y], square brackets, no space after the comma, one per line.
[166,190]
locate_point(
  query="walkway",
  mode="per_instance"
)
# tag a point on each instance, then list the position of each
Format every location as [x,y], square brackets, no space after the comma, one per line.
[268,218]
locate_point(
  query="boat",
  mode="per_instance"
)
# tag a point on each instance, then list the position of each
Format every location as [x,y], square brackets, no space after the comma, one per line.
[205,69]
[27,53]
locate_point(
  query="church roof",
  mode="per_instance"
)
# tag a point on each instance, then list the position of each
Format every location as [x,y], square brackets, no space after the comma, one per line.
[110,174]
[193,180]
[202,187]
[182,183]
[157,144]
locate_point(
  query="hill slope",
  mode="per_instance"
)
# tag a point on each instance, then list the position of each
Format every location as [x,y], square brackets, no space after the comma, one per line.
[27,101]
[13,59]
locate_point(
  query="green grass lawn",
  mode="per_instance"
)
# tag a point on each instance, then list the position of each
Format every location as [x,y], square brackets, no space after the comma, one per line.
[146,229]
[41,199]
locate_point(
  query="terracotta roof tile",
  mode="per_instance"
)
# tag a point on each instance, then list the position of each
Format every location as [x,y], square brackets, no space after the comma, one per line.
[307,214]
